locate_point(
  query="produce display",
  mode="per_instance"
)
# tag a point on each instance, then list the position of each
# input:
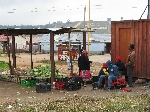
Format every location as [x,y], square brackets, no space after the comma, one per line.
[44,71]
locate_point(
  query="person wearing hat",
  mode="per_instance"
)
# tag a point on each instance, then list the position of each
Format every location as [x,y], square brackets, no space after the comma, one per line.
[104,73]
[79,59]
[103,70]
[84,65]
[84,61]
[121,66]
[130,64]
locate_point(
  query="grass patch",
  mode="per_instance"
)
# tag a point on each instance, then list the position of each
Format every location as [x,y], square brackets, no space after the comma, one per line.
[3,65]
[116,103]
[3,55]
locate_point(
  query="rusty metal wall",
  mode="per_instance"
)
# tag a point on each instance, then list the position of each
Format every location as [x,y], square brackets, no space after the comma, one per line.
[136,32]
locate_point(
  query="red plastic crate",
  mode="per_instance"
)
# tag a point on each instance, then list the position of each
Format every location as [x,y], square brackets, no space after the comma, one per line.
[60,85]
[117,82]
[122,81]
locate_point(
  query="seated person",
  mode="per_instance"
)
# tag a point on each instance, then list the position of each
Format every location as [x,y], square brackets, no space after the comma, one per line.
[121,66]
[103,71]
[112,74]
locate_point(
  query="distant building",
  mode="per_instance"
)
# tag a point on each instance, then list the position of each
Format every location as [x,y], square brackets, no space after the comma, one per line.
[99,43]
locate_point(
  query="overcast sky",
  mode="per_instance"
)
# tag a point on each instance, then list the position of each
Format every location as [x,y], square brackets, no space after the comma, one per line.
[41,12]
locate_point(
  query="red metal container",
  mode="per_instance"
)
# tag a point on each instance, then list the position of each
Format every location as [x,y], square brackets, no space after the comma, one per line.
[135,32]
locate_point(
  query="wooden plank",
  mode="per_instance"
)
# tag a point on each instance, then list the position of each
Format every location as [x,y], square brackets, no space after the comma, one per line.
[147,49]
[138,54]
[136,36]
[144,51]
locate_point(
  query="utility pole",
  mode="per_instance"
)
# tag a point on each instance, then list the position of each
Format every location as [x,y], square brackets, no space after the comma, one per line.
[89,28]
[84,15]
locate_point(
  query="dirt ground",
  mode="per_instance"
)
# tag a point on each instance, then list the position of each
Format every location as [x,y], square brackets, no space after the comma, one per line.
[14,91]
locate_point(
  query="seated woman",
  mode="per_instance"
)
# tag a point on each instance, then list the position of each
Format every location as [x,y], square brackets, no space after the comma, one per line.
[121,66]
[103,71]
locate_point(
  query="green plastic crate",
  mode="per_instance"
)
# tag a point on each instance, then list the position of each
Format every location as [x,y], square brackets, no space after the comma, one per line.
[28,82]
[32,82]
[23,82]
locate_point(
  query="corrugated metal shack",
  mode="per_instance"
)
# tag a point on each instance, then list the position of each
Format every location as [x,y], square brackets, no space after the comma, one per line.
[137,32]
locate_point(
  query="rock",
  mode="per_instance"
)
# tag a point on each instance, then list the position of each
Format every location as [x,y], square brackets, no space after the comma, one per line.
[140,81]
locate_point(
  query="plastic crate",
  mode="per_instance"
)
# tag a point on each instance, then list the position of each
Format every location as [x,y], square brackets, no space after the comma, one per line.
[60,85]
[43,87]
[23,82]
[32,82]
[28,82]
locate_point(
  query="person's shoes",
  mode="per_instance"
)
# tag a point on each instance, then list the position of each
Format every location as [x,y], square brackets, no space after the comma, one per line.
[94,85]
[105,86]
[109,89]
[100,87]
[84,85]
[129,85]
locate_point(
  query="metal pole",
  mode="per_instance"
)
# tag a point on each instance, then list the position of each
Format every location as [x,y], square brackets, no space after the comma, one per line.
[84,40]
[89,32]
[84,15]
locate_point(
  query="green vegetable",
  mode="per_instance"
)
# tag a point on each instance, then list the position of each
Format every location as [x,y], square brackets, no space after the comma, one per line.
[44,71]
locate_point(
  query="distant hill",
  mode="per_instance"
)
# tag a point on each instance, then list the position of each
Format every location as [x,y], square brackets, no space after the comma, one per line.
[102,27]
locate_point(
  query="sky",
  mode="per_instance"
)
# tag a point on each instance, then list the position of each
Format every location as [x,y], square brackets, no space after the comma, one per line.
[41,12]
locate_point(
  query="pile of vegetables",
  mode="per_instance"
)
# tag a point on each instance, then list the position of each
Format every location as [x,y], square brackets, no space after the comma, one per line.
[44,71]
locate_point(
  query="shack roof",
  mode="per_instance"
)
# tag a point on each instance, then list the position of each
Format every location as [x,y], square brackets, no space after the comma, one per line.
[15,32]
